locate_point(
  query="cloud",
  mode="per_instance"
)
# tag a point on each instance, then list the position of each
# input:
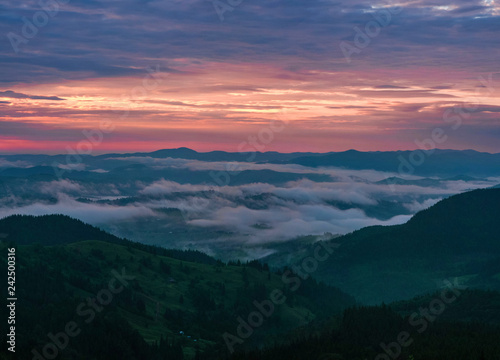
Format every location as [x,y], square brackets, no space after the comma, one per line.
[248,217]
[190,32]
[390,87]
[167,187]
[391,94]
[235,166]
[285,223]
[90,213]
[18,163]
[100,171]
[61,186]
[16,95]
[416,206]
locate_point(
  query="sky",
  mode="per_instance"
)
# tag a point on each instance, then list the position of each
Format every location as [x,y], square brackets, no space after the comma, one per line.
[97,76]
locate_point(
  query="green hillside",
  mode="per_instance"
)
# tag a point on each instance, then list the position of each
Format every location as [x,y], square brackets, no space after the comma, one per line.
[459,237]
[166,296]
[61,229]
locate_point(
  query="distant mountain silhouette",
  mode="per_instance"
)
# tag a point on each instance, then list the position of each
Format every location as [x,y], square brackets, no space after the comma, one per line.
[436,163]
[454,164]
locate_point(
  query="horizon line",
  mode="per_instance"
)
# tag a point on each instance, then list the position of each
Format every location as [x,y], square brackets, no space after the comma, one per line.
[245,152]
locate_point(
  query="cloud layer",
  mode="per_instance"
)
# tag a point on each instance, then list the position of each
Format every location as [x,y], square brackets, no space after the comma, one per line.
[247,219]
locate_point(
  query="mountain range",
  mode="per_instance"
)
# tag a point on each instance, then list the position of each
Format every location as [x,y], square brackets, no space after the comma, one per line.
[436,162]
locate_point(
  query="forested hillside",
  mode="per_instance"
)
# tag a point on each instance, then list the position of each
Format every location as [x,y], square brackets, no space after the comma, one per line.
[147,305]
[458,237]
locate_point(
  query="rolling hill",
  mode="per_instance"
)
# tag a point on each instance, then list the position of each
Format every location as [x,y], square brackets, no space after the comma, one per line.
[170,304]
[459,237]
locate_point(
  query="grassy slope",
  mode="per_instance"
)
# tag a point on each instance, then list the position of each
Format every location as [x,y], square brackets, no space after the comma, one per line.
[157,286]
[83,268]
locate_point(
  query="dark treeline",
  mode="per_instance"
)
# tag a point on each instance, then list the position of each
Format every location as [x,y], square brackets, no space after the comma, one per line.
[364,332]
[61,229]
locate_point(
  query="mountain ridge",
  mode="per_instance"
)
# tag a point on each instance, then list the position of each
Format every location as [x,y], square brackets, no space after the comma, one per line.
[440,162]
[457,237]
